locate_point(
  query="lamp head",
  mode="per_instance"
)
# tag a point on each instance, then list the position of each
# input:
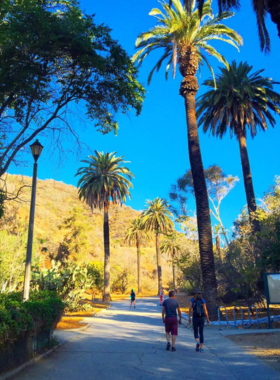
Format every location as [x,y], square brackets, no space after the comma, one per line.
[36,149]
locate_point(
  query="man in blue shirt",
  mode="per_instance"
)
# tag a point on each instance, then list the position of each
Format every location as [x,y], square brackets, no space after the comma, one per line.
[169,318]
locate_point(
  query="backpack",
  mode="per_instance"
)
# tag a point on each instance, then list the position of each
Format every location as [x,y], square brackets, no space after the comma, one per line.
[198,308]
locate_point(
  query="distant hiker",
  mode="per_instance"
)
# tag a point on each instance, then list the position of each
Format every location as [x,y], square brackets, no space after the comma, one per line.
[132,298]
[169,318]
[161,298]
[199,311]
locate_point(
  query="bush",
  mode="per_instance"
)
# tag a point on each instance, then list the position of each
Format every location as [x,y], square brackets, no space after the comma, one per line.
[69,280]
[42,311]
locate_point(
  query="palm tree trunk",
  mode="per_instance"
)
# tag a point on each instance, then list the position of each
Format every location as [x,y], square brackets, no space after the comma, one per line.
[174,277]
[189,87]
[159,269]
[248,182]
[138,265]
[274,10]
[106,233]
[218,245]
[174,271]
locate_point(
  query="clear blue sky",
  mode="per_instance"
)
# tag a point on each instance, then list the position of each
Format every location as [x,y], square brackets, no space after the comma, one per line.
[156,141]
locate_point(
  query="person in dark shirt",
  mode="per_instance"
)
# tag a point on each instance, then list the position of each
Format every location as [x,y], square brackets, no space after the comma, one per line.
[199,311]
[169,318]
[132,298]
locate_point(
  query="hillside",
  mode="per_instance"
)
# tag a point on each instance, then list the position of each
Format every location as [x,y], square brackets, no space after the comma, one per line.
[61,217]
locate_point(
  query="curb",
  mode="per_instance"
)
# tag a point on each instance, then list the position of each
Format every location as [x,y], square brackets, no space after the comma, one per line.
[27,364]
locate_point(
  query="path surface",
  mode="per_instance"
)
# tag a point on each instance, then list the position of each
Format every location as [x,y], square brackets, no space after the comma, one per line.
[124,344]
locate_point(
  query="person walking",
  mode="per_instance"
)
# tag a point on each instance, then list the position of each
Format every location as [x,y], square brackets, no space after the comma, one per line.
[132,298]
[169,318]
[199,311]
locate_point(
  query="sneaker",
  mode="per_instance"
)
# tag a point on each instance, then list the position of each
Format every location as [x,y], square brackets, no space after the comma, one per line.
[168,346]
[201,350]
[197,347]
[173,349]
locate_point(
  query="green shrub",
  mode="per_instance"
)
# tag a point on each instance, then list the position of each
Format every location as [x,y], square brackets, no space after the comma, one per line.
[42,311]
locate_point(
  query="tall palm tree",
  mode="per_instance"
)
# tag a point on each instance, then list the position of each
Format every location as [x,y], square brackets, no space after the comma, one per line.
[184,37]
[136,235]
[157,218]
[172,248]
[261,9]
[241,102]
[102,181]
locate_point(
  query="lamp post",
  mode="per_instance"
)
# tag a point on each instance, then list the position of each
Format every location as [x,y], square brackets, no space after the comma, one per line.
[36,149]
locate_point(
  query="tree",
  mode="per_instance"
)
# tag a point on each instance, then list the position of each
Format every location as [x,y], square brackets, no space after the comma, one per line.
[218,187]
[136,235]
[157,218]
[53,59]
[102,181]
[261,9]
[75,231]
[239,101]
[183,36]
[171,247]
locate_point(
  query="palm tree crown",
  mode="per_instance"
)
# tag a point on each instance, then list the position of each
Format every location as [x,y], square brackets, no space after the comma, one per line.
[261,8]
[178,30]
[241,99]
[171,245]
[136,233]
[157,217]
[104,179]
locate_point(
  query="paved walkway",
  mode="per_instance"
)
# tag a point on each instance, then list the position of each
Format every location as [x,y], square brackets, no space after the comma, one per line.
[124,344]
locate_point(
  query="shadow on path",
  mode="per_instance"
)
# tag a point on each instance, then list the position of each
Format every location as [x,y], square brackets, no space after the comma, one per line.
[127,344]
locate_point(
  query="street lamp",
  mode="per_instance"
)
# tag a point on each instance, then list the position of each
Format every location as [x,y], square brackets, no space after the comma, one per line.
[36,149]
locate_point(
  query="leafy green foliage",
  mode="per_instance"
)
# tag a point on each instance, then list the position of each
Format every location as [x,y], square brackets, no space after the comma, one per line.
[68,280]
[177,30]
[122,279]
[52,57]
[239,100]
[157,217]
[261,9]
[43,310]
[104,179]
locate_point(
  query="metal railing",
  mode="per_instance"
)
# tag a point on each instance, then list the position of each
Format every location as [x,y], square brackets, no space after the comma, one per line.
[243,322]
[219,315]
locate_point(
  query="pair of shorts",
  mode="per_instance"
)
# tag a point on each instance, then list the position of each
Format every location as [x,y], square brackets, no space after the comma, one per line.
[171,325]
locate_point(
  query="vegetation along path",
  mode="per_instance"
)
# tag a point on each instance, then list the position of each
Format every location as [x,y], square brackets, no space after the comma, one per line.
[129,344]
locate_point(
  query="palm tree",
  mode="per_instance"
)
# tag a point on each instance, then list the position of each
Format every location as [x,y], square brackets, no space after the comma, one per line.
[171,247]
[136,235]
[157,218]
[241,102]
[184,37]
[261,8]
[102,181]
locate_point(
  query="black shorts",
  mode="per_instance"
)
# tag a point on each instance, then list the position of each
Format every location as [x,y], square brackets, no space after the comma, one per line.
[132,299]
